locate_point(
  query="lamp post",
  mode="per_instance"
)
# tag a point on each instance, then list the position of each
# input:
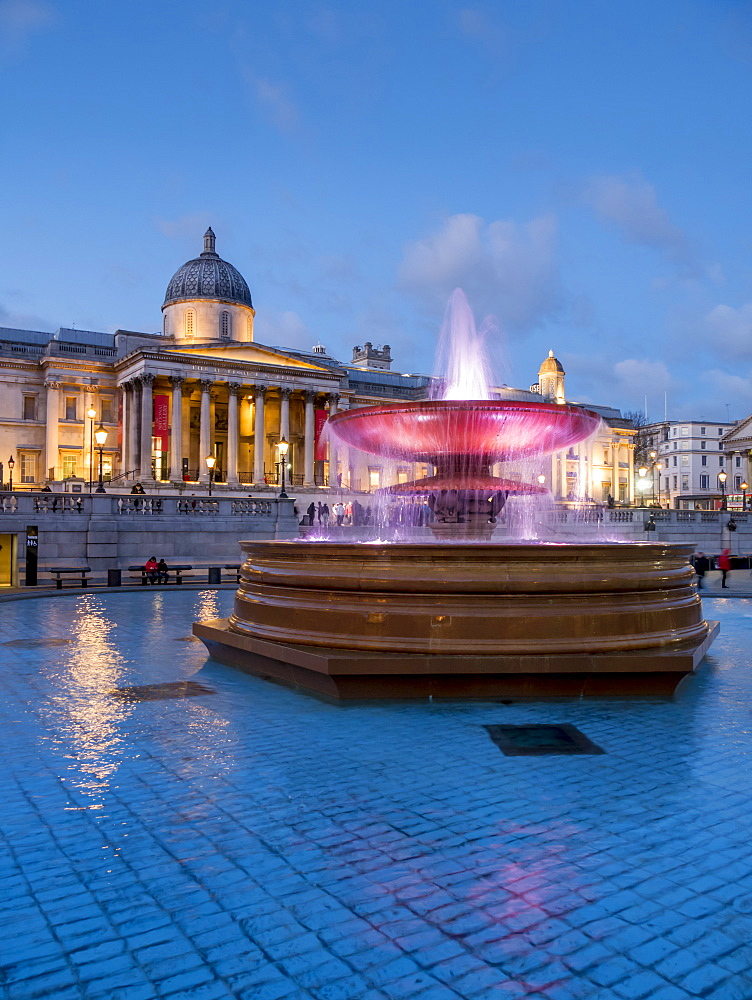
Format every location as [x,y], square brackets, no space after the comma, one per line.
[210,463]
[11,467]
[722,480]
[653,466]
[91,414]
[745,487]
[283,449]
[100,436]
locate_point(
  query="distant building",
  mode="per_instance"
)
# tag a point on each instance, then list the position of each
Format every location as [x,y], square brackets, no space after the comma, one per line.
[688,457]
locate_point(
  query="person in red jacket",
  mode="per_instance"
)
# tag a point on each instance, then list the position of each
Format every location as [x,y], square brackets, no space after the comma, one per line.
[151,566]
[724,565]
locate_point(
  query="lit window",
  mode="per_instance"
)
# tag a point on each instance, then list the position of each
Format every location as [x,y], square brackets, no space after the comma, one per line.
[70,407]
[29,408]
[402,475]
[28,467]
[685,431]
[69,466]
[225,324]
[374,478]
[685,459]
[190,319]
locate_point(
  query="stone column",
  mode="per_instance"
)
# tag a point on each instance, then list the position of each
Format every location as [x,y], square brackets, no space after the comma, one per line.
[134,430]
[176,429]
[147,418]
[615,470]
[333,454]
[51,445]
[258,435]
[310,429]
[284,414]
[204,434]
[90,449]
[234,389]
[125,412]
[185,410]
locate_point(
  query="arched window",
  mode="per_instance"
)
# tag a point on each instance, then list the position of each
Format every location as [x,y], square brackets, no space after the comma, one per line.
[224,325]
[190,323]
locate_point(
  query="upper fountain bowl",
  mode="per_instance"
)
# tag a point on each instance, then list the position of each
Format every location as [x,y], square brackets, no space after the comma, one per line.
[494,430]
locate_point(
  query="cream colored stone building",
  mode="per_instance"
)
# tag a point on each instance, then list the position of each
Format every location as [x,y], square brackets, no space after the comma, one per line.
[204,387]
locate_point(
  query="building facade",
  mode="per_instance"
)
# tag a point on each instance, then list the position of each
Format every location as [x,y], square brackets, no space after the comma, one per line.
[683,460]
[204,387]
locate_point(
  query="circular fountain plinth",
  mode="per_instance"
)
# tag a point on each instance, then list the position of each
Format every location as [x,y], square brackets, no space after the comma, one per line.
[464,620]
[460,598]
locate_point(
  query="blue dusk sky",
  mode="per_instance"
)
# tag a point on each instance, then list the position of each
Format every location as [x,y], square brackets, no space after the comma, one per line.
[581,169]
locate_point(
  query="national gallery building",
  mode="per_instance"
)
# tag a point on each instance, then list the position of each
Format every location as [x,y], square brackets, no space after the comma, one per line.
[204,388]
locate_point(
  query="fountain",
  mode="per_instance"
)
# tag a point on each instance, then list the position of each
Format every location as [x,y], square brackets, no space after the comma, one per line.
[462,616]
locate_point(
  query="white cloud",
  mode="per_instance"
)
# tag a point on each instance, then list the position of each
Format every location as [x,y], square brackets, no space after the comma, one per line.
[283,328]
[731,330]
[19,20]
[631,204]
[640,377]
[505,268]
[280,107]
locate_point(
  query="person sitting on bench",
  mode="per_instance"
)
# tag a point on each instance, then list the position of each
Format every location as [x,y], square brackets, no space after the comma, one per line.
[151,568]
[162,571]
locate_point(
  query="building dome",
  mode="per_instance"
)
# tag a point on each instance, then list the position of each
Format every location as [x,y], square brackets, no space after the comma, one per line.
[208,277]
[552,364]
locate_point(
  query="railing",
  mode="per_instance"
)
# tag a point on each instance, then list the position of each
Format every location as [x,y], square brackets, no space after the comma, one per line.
[54,503]
[254,508]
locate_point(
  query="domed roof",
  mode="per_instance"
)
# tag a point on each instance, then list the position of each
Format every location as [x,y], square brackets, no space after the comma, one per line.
[552,364]
[208,277]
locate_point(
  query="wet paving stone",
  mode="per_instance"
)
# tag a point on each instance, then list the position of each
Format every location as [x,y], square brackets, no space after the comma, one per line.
[260,844]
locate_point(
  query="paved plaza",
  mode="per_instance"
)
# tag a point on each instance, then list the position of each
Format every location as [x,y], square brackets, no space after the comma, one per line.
[251,842]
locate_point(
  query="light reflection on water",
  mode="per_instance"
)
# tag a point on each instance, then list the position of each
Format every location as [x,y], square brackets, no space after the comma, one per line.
[207,605]
[81,716]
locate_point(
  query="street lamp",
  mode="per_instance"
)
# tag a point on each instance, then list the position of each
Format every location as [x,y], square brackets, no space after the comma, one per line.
[745,487]
[722,480]
[91,414]
[284,447]
[210,463]
[100,436]
[11,467]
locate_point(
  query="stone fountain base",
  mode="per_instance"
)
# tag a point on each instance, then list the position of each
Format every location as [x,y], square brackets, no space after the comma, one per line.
[465,620]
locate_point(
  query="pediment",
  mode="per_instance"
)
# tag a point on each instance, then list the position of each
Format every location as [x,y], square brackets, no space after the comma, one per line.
[251,354]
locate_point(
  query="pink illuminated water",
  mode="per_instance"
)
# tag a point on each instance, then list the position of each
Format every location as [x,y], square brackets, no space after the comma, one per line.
[462,354]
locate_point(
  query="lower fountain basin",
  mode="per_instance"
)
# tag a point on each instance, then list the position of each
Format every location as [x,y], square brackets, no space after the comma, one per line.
[431,611]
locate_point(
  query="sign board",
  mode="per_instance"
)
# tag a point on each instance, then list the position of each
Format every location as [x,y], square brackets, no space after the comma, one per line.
[32,554]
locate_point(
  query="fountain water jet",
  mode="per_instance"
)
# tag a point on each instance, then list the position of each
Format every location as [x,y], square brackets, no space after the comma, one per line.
[471,619]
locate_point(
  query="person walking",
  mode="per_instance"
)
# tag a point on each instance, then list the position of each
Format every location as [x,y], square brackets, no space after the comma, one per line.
[324,515]
[311,512]
[339,512]
[724,565]
[701,564]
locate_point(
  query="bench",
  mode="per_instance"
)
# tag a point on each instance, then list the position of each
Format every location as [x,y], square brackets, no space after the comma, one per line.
[78,570]
[179,572]
[236,568]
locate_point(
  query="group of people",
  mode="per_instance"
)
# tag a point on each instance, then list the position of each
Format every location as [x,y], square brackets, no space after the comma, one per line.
[703,565]
[340,513]
[156,572]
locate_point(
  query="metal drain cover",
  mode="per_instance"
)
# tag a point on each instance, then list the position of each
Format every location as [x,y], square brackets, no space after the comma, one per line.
[537,741]
[36,643]
[158,692]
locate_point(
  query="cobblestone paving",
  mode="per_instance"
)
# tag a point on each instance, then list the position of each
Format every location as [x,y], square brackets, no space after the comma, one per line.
[255,843]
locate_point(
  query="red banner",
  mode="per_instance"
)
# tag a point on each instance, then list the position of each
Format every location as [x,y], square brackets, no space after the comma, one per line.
[162,420]
[320,445]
